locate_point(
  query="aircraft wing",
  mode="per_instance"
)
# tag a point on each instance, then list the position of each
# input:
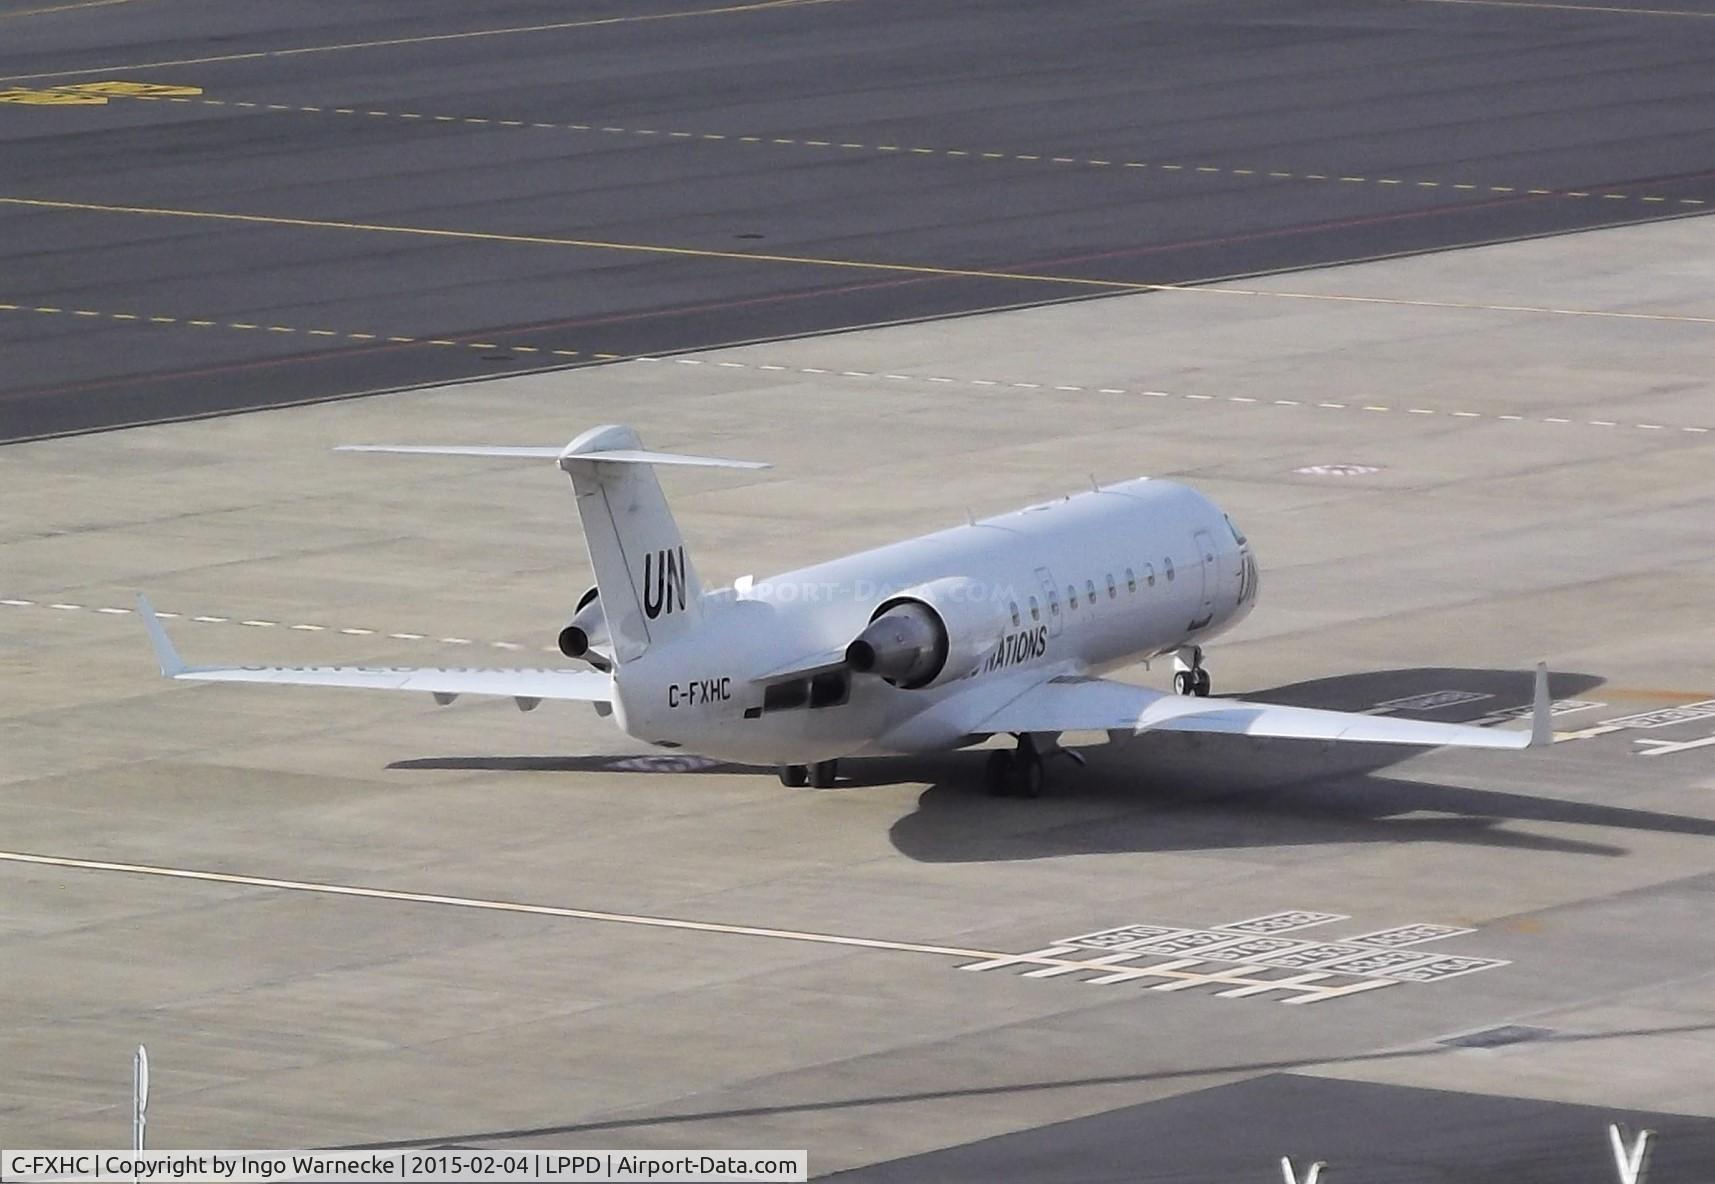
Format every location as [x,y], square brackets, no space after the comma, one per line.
[1076,703]
[526,686]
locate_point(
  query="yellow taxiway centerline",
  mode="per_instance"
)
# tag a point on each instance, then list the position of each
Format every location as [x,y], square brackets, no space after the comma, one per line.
[916,269]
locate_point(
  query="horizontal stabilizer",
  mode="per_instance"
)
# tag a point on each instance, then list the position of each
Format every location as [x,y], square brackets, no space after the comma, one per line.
[526,453]
[623,456]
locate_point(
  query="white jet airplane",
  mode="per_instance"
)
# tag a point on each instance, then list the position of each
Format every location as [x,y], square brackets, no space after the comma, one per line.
[999,627]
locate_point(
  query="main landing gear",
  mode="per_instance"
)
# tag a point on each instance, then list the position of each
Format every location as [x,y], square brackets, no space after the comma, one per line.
[817,775]
[1017,773]
[1189,676]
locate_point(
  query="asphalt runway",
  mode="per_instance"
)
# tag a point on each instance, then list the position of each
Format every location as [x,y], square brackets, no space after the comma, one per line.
[207,207]
[339,918]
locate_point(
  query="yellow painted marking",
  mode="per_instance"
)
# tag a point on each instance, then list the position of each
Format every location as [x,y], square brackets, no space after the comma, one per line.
[201,324]
[235,324]
[321,332]
[441,341]
[135,90]
[84,312]
[471,34]
[845,264]
[49,98]
[402,339]
[48,308]
[281,329]
[362,336]
[482,345]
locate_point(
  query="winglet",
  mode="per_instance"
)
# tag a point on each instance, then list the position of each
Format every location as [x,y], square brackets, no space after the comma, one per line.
[1541,711]
[171,664]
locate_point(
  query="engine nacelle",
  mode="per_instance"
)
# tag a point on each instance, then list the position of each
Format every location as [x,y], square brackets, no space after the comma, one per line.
[586,637]
[930,635]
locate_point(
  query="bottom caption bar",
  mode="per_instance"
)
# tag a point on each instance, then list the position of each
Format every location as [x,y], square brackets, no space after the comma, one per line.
[268,1167]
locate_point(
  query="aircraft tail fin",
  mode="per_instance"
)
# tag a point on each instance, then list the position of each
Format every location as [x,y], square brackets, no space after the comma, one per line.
[649,588]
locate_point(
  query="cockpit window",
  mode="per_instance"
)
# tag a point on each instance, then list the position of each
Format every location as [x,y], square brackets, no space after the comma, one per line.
[1238,535]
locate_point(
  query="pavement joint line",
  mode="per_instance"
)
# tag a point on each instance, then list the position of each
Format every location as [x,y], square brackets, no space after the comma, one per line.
[813,370]
[941,379]
[396,339]
[954,153]
[256,623]
[862,265]
[984,957]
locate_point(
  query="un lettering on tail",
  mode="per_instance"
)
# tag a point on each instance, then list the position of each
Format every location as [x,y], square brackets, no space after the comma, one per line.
[663,581]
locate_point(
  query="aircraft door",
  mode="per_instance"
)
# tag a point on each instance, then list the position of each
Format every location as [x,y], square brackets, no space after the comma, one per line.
[1206,565]
[1050,601]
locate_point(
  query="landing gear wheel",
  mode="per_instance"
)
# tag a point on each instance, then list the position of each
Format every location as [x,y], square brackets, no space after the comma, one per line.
[997,774]
[794,776]
[1185,682]
[1202,683]
[822,774]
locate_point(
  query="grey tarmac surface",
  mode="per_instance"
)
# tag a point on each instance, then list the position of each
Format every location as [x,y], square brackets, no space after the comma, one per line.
[682,972]
[318,199]
[1383,1134]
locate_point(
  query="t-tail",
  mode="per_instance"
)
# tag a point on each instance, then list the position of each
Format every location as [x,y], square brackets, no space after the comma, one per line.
[649,589]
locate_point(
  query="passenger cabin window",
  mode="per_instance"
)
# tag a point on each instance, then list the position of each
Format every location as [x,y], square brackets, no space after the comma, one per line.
[1090,592]
[1130,581]
[1071,595]
[1053,602]
[1167,566]
[1149,573]
[1016,622]
[1035,612]
[1112,590]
